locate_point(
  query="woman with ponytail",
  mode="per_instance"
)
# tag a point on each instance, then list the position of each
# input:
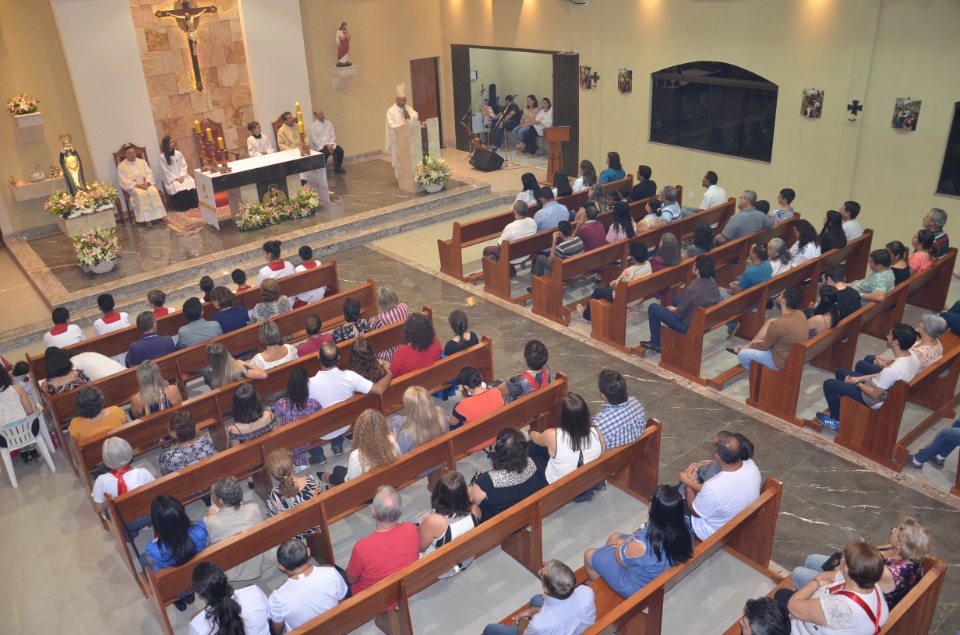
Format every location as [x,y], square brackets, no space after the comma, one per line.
[293,490]
[463,337]
[228,612]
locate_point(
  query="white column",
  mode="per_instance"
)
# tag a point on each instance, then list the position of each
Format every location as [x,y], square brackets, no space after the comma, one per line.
[100,46]
[276,57]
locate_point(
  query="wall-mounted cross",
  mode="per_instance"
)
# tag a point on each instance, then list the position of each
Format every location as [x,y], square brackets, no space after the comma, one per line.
[854,108]
[594,78]
[188,19]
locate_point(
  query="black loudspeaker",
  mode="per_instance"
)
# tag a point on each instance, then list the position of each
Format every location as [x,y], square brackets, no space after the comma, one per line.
[486,161]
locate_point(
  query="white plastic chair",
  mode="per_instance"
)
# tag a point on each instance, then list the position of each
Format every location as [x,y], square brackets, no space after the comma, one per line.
[21,434]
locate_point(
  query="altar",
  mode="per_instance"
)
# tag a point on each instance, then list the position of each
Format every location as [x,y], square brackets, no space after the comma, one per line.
[249,179]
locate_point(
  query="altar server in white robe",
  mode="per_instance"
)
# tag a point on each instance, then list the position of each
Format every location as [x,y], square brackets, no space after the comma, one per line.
[179,185]
[136,179]
[257,143]
[397,115]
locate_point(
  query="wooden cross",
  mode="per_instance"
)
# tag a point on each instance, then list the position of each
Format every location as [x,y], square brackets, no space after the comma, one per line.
[854,108]
[188,19]
[594,78]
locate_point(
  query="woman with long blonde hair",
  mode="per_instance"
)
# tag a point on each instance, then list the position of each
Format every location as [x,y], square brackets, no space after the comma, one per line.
[424,420]
[155,394]
[293,490]
[224,369]
[373,447]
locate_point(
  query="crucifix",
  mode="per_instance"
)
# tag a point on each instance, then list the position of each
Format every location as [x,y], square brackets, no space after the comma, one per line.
[188,19]
[854,108]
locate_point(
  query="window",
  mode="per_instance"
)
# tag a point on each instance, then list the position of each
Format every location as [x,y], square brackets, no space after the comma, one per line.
[715,107]
[949,181]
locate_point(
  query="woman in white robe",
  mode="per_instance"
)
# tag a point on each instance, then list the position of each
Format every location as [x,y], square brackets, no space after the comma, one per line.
[257,144]
[136,179]
[180,186]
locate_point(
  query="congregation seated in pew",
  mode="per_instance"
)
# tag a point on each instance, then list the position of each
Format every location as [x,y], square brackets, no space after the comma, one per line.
[225,369]
[420,347]
[61,374]
[390,548]
[703,291]
[295,405]
[513,478]
[927,348]
[251,420]
[230,315]
[622,418]
[748,220]
[155,393]
[93,415]
[879,281]
[275,352]
[422,421]
[292,490]
[315,339]
[307,262]
[274,303]
[364,360]
[188,448]
[244,609]
[775,340]
[63,333]
[177,540]
[639,267]
[623,227]
[452,514]
[111,320]
[228,517]
[276,268]
[373,446]
[157,298]
[151,345]
[120,478]
[197,329]
[309,590]
[463,338]
[392,310]
[521,227]
[353,325]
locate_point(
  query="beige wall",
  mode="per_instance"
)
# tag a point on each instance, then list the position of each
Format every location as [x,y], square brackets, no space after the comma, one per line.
[386,36]
[32,62]
[514,73]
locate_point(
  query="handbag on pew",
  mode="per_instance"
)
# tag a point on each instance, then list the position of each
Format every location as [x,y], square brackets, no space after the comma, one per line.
[832,562]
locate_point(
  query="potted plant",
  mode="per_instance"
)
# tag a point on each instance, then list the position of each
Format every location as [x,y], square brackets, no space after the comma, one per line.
[433,173]
[98,249]
[27,120]
[88,209]
[259,215]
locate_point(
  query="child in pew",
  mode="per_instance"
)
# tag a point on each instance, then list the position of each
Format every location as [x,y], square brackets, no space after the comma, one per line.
[629,562]
[206,286]
[536,375]
[239,278]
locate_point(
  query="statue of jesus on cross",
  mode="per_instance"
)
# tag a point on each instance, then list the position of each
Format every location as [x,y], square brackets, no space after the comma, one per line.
[188,19]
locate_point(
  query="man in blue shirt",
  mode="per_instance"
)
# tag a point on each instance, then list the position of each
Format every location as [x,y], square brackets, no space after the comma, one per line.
[552,212]
[669,211]
[760,270]
[151,345]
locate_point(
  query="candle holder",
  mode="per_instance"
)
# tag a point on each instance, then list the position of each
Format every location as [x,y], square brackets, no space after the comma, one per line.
[224,168]
[206,165]
[304,148]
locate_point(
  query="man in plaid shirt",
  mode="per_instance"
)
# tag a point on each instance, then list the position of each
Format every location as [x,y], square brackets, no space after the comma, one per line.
[621,419]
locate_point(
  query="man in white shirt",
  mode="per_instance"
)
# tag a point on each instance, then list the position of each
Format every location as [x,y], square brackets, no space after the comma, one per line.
[63,333]
[714,195]
[521,227]
[330,386]
[308,592]
[724,495]
[851,226]
[324,140]
[397,115]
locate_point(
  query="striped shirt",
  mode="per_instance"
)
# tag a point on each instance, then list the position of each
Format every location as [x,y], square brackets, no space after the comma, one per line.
[398,313]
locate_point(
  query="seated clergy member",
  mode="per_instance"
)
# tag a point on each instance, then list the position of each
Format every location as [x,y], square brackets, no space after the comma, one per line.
[308,592]
[228,518]
[703,291]
[622,419]
[779,335]
[323,139]
[390,548]
[136,179]
[63,333]
[111,320]
[198,330]
[151,345]
[257,144]
[724,495]
[564,608]
[748,220]
[871,390]
[288,138]
[306,263]
[179,186]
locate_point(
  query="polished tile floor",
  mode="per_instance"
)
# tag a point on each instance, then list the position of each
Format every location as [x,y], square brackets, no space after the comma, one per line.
[55,547]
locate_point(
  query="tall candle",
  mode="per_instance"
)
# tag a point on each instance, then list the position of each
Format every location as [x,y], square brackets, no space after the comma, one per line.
[300,127]
[209,135]
[220,143]
[297,107]
[196,127]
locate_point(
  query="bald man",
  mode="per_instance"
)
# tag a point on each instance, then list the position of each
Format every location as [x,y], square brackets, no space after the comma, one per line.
[323,139]
[397,115]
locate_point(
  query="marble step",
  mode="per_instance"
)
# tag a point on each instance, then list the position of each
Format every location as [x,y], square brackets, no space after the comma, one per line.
[326,241]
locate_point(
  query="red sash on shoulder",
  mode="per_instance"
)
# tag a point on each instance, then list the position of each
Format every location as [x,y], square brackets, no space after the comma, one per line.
[161,311]
[59,329]
[111,318]
[277,265]
[310,264]
[874,617]
[121,484]
[243,288]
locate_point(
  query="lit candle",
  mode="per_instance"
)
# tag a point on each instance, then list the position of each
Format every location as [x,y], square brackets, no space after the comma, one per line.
[209,135]
[220,143]
[297,106]
[196,127]
[300,127]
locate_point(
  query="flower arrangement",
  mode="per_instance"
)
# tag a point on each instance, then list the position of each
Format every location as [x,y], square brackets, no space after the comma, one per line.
[97,246]
[433,171]
[97,196]
[23,104]
[259,215]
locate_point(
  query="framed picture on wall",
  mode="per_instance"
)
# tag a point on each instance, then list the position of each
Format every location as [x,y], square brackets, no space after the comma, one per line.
[586,81]
[625,81]
[473,76]
[906,112]
[811,104]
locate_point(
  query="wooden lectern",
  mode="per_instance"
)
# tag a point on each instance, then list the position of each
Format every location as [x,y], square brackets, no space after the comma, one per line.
[554,137]
[411,150]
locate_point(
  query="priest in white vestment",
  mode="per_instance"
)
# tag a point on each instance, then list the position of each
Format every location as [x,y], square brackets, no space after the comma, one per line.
[136,179]
[288,138]
[257,144]
[177,183]
[397,115]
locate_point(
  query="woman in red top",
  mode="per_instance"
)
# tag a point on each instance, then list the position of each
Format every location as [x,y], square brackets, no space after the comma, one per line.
[420,348]
[478,402]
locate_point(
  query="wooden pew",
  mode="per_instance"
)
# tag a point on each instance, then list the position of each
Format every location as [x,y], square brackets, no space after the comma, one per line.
[777,391]
[541,406]
[873,432]
[489,228]
[912,615]
[118,342]
[927,289]
[683,353]
[748,537]
[496,274]
[518,531]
